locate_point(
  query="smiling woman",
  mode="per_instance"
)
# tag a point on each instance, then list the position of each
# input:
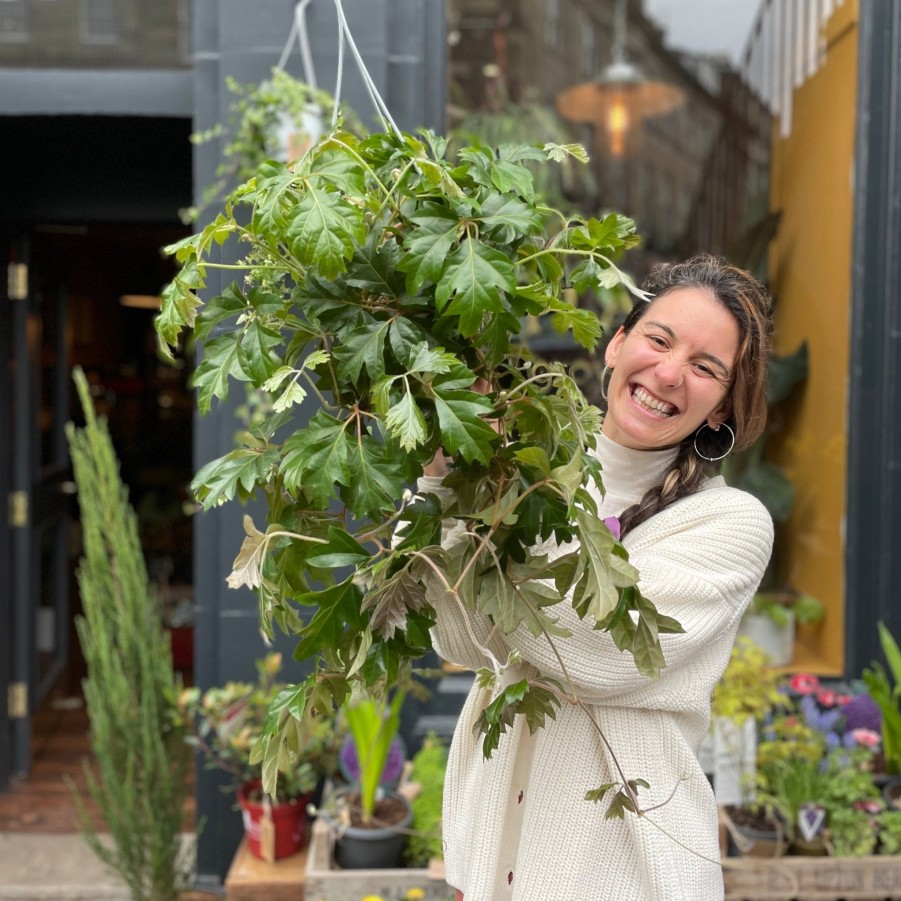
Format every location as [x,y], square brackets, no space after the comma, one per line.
[689,360]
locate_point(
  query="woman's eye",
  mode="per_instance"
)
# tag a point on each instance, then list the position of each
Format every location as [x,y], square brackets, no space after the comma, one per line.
[705,370]
[656,339]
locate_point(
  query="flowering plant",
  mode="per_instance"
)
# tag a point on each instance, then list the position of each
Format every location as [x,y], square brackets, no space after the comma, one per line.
[228,720]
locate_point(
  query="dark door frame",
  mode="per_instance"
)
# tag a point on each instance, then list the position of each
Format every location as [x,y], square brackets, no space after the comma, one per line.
[873,524]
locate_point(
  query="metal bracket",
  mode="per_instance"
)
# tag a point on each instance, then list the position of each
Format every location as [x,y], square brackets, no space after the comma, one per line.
[17,281]
[17,700]
[18,509]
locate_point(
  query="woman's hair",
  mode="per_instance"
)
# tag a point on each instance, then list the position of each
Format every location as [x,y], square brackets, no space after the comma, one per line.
[747,300]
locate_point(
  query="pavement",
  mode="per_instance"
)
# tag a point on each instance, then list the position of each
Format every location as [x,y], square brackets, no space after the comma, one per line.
[41,867]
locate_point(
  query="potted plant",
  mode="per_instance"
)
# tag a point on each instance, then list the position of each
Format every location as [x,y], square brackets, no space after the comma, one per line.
[371,821]
[748,691]
[771,619]
[885,689]
[228,721]
[377,283]
[427,777]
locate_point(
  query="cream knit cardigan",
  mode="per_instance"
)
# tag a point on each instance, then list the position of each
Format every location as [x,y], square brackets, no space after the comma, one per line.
[517,827]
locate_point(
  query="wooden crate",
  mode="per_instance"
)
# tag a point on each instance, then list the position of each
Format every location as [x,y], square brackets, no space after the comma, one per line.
[252,879]
[325,882]
[812,878]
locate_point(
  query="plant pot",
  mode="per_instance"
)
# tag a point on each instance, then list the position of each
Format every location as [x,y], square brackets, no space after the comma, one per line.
[777,640]
[373,847]
[891,792]
[753,835]
[289,821]
[803,848]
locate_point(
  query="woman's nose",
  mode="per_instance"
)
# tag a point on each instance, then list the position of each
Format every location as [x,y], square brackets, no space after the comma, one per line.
[669,372]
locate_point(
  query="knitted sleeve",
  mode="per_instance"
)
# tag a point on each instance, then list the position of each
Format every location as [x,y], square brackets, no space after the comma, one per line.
[699,560]
[459,632]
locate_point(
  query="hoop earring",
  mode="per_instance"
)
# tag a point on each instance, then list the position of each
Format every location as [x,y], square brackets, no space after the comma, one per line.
[721,456]
[605,378]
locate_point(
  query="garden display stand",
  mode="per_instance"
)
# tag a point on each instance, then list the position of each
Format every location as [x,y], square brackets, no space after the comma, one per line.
[812,878]
[324,880]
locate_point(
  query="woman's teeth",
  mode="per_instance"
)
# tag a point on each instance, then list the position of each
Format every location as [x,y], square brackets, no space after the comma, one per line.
[651,403]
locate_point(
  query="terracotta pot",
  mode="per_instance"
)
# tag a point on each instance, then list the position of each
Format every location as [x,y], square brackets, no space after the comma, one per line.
[289,819]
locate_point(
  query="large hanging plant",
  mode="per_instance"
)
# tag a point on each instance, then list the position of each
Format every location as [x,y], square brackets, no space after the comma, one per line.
[380,286]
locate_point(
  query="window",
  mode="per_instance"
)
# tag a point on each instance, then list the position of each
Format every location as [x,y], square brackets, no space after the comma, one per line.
[13,21]
[100,21]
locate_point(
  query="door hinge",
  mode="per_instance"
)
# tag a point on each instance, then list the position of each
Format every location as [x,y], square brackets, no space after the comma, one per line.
[18,509]
[17,281]
[18,700]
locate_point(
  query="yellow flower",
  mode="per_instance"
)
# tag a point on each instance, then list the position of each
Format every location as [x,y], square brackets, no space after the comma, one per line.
[373,898]
[415,894]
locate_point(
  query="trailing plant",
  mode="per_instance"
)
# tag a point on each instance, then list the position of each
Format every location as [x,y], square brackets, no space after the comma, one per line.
[278,117]
[143,761]
[378,298]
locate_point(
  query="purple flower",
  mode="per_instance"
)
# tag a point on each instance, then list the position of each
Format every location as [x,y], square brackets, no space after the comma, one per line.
[862,712]
[394,765]
[612,523]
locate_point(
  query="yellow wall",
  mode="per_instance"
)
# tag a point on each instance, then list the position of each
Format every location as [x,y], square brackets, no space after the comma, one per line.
[810,275]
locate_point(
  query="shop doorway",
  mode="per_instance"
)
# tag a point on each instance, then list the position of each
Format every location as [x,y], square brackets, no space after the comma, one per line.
[83,295]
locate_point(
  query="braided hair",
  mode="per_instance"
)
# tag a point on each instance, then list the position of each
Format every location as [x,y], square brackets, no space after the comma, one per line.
[747,300]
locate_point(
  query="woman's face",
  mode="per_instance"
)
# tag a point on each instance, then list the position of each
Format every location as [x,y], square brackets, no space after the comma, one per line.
[672,371]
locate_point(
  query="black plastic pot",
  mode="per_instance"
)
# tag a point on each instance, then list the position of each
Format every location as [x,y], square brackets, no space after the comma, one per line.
[372,848]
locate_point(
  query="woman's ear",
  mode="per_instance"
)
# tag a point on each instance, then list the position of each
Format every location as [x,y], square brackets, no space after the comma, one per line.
[720,414]
[613,346]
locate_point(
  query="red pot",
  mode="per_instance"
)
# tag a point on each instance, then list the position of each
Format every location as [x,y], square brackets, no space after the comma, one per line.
[289,819]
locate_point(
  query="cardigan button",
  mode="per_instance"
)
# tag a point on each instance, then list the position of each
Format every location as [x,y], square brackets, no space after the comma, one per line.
[510,878]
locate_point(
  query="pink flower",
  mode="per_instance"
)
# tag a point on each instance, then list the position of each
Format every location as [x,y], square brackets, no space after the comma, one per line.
[827,697]
[866,738]
[804,683]
[870,806]
[612,523]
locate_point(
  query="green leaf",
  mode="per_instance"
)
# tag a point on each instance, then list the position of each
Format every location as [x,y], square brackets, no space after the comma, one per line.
[494,720]
[230,304]
[469,286]
[377,482]
[785,373]
[257,357]
[560,152]
[316,458]
[364,346]
[406,422]
[342,550]
[506,216]
[771,486]
[236,474]
[273,181]
[595,593]
[462,430]
[338,610]
[498,600]
[323,231]
[597,794]
[426,250]
[222,359]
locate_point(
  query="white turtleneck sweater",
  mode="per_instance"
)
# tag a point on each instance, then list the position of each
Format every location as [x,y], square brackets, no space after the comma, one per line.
[517,827]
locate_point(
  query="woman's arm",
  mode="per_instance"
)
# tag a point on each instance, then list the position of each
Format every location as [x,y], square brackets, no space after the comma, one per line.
[699,561]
